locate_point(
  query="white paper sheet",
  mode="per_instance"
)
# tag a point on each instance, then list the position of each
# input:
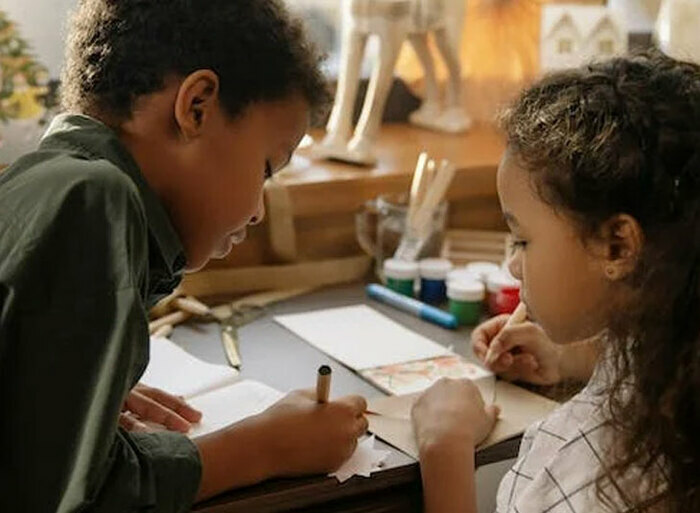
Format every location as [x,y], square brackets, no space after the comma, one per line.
[174,370]
[360,337]
[231,404]
[365,460]
[224,399]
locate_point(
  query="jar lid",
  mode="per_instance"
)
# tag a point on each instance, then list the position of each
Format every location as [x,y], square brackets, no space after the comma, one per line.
[466,290]
[400,269]
[499,280]
[483,269]
[435,268]
[462,274]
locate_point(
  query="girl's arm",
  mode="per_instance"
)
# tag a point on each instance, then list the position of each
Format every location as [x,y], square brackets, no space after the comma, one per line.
[450,420]
[448,478]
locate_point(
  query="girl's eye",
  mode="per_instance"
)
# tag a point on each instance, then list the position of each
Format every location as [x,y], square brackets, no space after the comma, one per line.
[516,244]
[268,170]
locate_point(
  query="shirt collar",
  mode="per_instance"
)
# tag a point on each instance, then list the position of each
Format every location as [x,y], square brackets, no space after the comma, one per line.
[96,140]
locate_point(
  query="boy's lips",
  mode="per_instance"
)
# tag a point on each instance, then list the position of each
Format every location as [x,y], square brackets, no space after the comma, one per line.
[239,236]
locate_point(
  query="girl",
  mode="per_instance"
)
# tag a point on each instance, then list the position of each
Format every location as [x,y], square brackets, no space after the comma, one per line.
[600,186]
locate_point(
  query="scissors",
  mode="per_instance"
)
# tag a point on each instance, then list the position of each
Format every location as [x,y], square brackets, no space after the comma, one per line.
[240,316]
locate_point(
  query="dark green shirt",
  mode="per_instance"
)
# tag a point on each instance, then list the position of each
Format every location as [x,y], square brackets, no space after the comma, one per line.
[85,249]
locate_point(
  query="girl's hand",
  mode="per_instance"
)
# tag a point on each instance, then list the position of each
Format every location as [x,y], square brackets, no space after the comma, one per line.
[306,437]
[451,413]
[147,404]
[522,352]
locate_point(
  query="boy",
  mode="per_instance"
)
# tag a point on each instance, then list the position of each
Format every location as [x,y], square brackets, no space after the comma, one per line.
[179,111]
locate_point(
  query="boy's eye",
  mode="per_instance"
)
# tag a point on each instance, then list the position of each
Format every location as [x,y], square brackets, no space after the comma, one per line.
[268,170]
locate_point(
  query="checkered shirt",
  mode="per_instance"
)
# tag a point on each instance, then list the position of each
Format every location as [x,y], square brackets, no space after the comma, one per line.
[560,459]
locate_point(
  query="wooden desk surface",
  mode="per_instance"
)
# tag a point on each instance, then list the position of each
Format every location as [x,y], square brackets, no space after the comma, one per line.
[279,358]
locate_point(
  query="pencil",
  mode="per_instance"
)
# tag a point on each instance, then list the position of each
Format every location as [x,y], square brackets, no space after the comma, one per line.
[323,384]
[518,316]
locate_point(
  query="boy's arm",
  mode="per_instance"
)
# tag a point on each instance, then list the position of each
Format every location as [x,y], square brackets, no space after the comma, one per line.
[76,340]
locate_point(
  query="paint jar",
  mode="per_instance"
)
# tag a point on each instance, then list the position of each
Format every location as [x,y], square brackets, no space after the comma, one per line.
[462,274]
[506,300]
[433,275]
[500,282]
[400,275]
[483,269]
[466,301]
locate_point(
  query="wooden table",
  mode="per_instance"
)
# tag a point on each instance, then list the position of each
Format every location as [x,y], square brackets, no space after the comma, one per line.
[282,360]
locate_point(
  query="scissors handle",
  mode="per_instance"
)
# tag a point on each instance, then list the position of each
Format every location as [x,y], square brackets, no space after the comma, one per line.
[229,338]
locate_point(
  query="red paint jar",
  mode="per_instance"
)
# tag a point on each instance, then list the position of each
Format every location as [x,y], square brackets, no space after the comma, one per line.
[506,300]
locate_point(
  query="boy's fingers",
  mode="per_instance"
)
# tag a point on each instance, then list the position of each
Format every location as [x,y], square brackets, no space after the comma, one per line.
[307,393]
[176,404]
[356,402]
[131,423]
[148,409]
[362,426]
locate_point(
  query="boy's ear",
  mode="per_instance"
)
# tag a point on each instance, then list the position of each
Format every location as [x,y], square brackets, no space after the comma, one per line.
[195,102]
[623,238]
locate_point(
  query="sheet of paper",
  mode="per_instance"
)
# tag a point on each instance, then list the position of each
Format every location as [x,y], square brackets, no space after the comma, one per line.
[174,370]
[363,462]
[519,409]
[360,337]
[412,377]
[230,404]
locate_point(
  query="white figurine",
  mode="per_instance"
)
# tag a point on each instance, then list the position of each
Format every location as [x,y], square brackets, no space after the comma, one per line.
[575,34]
[393,21]
[676,29]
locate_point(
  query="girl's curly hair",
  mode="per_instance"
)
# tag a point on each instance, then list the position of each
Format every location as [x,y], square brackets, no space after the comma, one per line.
[623,136]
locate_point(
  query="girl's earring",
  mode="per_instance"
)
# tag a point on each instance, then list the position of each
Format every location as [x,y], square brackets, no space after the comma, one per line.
[611,272]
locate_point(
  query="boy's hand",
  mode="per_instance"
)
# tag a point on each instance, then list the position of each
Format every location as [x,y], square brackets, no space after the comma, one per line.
[306,437]
[451,413]
[147,404]
[524,352]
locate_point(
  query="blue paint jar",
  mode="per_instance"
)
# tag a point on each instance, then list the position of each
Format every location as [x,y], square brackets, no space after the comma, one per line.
[433,274]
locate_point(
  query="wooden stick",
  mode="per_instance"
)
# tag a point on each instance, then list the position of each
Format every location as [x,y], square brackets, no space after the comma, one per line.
[174,318]
[430,172]
[164,331]
[192,305]
[519,315]
[435,194]
[416,184]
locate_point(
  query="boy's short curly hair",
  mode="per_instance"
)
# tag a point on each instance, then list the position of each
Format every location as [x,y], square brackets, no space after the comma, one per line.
[119,50]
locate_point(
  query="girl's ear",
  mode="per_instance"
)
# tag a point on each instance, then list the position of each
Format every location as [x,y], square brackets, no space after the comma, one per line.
[623,240]
[195,102]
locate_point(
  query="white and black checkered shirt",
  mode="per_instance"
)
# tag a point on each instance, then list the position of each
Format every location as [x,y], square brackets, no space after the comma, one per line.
[560,459]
